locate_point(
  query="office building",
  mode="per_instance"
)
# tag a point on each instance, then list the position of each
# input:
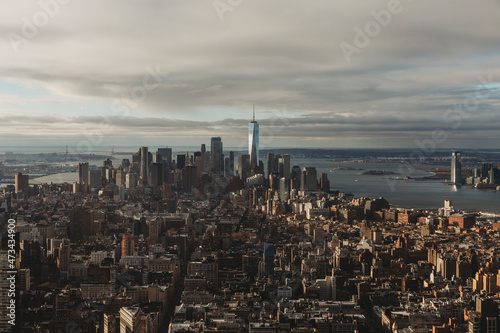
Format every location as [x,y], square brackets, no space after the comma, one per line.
[119,176]
[244,167]
[164,155]
[309,180]
[270,164]
[296,173]
[181,161]
[156,174]
[284,166]
[130,180]
[130,320]
[4,293]
[24,279]
[22,183]
[94,179]
[64,257]
[81,224]
[284,189]
[189,177]
[324,183]
[229,165]
[83,173]
[144,166]
[204,158]
[456,167]
[217,157]
[253,142]
[127,245]
[268,259]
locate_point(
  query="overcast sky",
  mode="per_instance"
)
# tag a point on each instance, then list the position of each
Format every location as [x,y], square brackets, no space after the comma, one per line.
[321,73]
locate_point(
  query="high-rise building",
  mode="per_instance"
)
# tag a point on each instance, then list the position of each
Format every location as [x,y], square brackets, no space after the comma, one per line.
[165,155]
[181,161]
[494,175]
[268,259]
[485,169]
[130,320]
[4,293]
[81,224]
[253,142]
[295,174]
[456,167]
[120,176]
[284,189]
[64,257]
[230,172]
[284,166]
[130,180]
[189,177]
[309,180]
[127,245]
[144,167]
[324,182]
[83,173]
[22,183]
[244,167]
[24,279]
[94,179]
[270,163]
[217,157]
[156,174]
[203,162]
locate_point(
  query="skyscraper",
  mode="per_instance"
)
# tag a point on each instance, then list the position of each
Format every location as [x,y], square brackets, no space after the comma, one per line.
[130,319]
[165,155]
[284,166]
[244,166]
[456,167]
[81,224]
[203,154]
[22,183]
[270,163]
[83,173]
[253,142]
[144,168]
[4,292]
[217,156]
[156,173]
[309,180]
[181,161]
[127,245]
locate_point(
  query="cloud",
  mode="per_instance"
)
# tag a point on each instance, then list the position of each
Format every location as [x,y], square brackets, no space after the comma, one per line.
[269,53]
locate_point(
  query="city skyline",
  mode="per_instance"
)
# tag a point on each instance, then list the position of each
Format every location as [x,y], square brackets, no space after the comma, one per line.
[318,77]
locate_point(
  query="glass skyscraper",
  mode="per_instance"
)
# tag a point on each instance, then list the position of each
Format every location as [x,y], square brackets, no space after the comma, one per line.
[253,142]
[456,167]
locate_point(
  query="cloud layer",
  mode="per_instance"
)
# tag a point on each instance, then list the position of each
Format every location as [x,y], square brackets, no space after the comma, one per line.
[91,56]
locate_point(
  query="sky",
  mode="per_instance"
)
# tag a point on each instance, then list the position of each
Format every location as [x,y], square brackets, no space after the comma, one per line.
[327,74]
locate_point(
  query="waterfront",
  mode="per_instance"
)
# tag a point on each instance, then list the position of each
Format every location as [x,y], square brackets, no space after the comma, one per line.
[428,194]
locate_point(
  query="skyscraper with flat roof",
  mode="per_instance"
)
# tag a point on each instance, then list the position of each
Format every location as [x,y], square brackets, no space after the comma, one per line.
[83,173]
[456,167]
[22,183]
[144,167]
[165,155]
[217,157]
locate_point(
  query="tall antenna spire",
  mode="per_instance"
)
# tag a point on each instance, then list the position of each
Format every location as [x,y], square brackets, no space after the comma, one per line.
[253,114]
